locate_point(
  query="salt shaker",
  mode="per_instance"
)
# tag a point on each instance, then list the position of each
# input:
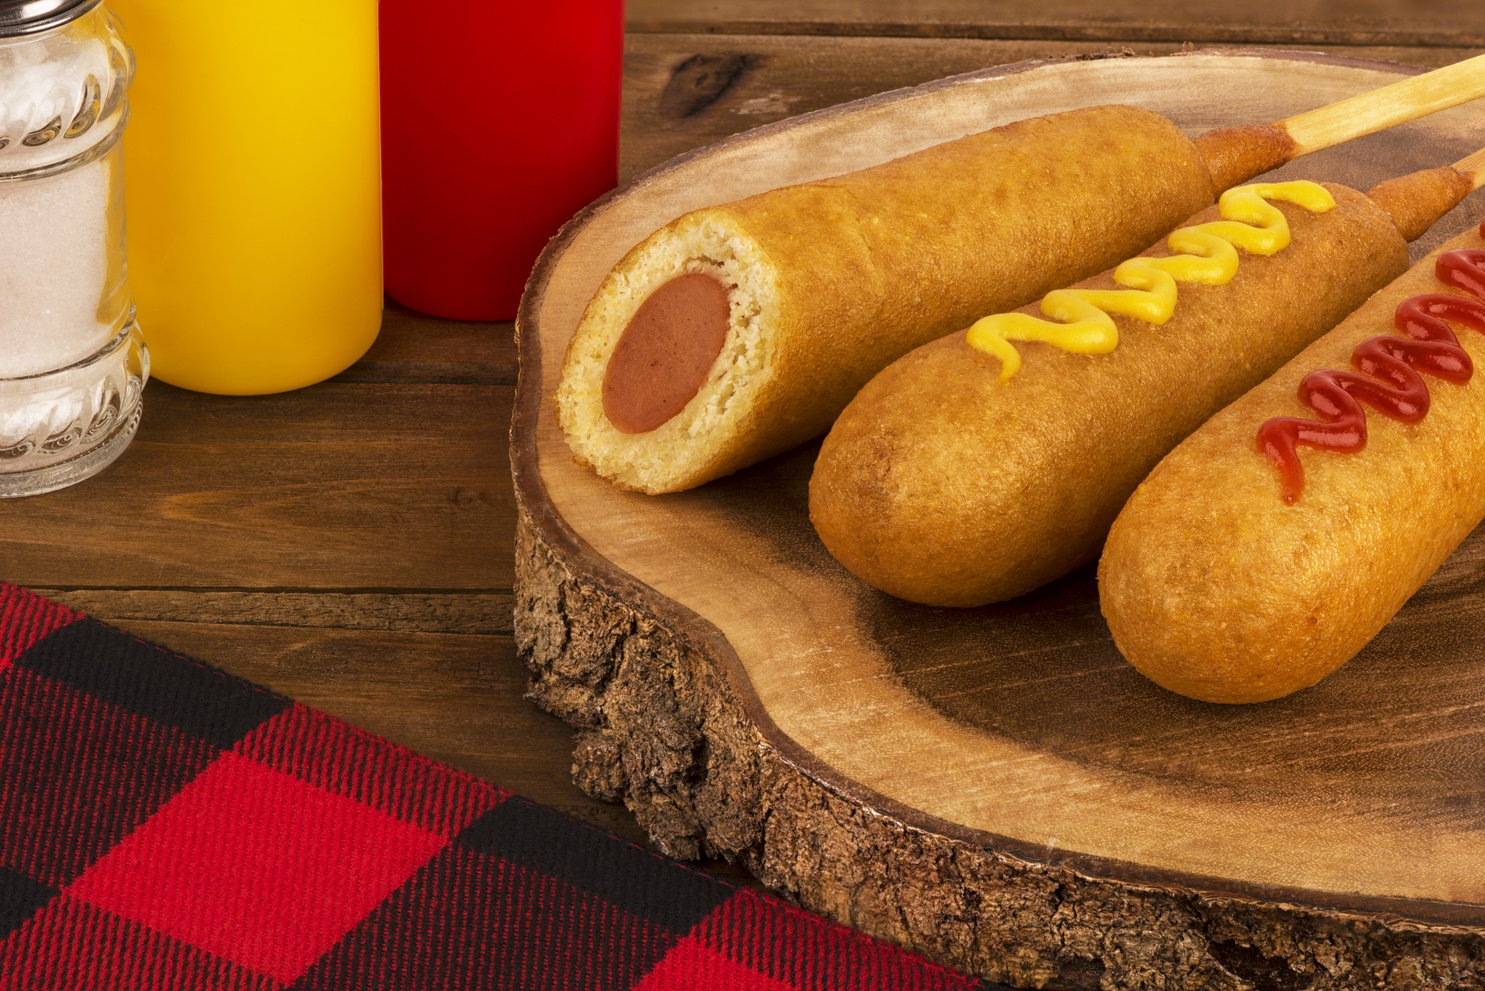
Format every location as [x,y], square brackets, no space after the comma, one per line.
[72,362]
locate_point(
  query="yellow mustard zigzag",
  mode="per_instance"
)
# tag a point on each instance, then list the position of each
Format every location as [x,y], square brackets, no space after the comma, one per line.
[1080,319]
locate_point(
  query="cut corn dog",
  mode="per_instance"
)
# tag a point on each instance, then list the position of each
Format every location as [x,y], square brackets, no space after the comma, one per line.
[738,331]
[989,462]
[1276,541]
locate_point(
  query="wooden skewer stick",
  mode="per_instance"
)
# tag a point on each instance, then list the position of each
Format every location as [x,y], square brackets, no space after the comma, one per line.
[1474,167]
[1237,154]
[1417,200]
[1407,99]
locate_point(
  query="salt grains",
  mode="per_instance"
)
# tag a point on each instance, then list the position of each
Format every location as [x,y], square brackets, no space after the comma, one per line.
[53,268]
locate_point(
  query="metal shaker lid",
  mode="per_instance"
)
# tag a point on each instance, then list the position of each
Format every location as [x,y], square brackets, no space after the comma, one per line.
[19,17]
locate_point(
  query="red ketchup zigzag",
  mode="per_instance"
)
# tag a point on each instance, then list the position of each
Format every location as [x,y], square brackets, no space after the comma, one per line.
[1389,367]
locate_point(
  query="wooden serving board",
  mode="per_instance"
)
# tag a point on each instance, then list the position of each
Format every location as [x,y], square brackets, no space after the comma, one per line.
[996,787]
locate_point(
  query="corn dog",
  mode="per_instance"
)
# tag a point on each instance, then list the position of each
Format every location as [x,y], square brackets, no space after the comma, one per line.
[1273,543]
[738,331]
[978,467]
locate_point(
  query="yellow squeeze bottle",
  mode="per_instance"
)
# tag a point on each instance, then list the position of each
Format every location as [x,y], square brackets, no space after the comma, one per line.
[254,189]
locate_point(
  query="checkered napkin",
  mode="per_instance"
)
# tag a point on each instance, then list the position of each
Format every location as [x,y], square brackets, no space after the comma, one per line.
[166,826]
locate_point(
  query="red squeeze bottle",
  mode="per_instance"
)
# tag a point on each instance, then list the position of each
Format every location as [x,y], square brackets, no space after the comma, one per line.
[499,122]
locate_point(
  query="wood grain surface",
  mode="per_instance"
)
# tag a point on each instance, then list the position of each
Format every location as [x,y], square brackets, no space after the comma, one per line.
[353,544]
[1014,730]
[1449,22]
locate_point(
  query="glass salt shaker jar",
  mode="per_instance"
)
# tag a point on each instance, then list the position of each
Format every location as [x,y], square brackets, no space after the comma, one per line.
[72,362]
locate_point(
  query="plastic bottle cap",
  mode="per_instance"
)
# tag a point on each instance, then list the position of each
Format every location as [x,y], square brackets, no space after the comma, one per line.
[29,16]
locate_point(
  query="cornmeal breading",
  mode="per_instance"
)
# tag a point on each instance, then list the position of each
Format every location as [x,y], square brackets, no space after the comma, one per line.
[942,484]
[831,280]
[1216,588]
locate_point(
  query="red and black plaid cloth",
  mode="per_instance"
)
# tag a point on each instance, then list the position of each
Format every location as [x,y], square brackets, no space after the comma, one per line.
[166,826]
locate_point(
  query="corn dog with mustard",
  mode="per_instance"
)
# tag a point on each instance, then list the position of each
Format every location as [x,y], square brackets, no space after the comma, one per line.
[1276,541]
[738,331]
[989,462]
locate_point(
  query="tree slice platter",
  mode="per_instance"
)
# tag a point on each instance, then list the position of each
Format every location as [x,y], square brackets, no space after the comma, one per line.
[995,787]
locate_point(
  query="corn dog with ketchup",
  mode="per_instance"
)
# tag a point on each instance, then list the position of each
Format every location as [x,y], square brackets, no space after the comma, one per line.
[1273,543]
[738,331]
[989,462]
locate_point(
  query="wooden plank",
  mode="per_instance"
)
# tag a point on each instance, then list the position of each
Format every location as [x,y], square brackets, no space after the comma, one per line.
[1355,22]
[416,347]
[380,484]
[683,91]
[470,613]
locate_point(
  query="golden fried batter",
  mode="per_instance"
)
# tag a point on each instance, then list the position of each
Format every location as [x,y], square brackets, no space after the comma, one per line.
[1215,588]
[941,484]
[831,280]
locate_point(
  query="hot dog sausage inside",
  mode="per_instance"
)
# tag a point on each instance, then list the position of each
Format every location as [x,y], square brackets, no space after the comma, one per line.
[665,354]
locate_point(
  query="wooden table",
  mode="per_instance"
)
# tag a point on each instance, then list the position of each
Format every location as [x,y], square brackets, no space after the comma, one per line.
[350,544]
